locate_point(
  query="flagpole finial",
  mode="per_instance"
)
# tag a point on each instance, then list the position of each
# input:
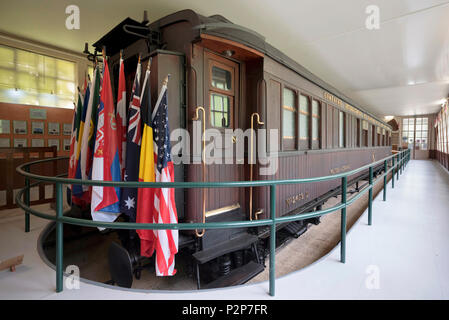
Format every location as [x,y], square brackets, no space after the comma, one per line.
[79,90]
[103,52]
[139,58]
[88,77]
[149,64]
[121,53]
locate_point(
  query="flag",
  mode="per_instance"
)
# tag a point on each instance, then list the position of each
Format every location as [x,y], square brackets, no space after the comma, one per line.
[163,207]
[73,140]
[128,202]
[121,116]
[77,190]
[146,173]
[106,164]
[88,136]
[74,137]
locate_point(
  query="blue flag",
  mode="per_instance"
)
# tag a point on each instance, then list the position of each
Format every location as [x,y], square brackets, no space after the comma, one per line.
[128,201]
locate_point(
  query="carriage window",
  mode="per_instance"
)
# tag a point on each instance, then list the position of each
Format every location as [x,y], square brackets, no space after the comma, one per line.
[315,120]
[289,116]
[378,136]
[365,133]
[221,79]
[358,133]
[341,129]
[219,110]
[303,118]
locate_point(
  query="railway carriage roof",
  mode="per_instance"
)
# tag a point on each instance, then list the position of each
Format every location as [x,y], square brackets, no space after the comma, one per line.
[219,26]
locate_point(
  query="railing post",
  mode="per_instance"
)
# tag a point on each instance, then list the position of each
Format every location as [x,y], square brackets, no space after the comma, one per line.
[343,221]
[272,239]
[397,168]
[370,200]
[393,172]
[27,200]
[59,239]
[402,162]
[405,159]
[385,180]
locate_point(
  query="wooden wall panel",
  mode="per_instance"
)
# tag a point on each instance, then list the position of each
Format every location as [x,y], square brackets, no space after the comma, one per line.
[273,119]
[11,112]
[313,165]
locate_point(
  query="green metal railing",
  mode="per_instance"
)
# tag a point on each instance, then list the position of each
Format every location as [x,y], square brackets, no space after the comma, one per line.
[398,162]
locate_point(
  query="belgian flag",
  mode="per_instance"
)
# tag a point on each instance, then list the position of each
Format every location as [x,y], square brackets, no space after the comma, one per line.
[145,196]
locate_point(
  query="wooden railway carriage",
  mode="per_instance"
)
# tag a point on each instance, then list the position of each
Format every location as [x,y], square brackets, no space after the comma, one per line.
[233,73]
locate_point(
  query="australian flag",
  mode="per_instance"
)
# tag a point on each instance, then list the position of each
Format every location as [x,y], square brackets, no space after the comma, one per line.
[128,202]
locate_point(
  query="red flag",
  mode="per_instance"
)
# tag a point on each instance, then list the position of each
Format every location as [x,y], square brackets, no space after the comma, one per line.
[106,165]
[121,117]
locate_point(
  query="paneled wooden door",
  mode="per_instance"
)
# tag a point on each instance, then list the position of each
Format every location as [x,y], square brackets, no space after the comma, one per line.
[222,93]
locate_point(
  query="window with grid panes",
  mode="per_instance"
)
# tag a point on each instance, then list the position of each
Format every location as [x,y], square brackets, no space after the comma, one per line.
[315,121]
[408,131]
[304,116]
[289,119]
[341,129]
[30,78]
[421,133]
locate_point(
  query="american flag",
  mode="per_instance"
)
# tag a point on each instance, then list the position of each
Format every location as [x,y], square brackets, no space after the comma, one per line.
[164,210]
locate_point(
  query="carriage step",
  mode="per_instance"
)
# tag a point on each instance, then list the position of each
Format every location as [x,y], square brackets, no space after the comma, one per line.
[242,241]
[296,228]
[237,276]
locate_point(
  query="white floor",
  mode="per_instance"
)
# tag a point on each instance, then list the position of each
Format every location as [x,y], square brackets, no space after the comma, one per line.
[403,255]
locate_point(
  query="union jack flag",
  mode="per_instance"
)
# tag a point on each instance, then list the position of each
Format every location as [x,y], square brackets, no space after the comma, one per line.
[134,127]
[128,201]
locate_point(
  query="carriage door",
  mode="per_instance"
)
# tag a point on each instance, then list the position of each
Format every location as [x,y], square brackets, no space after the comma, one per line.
[222,108]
